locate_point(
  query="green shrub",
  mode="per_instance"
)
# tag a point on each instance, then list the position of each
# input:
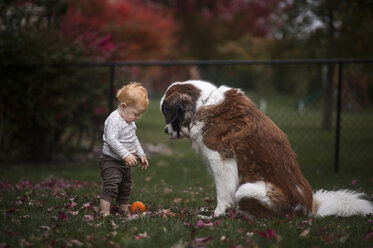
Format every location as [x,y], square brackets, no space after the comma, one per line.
[44,108]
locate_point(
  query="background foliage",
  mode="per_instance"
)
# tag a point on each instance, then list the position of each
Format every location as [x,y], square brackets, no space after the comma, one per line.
[45,109]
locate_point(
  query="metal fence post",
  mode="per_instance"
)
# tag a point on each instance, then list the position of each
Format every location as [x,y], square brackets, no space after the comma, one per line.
[111,87]
[338,119]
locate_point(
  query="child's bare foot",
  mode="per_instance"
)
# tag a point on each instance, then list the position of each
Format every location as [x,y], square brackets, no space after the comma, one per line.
[124,209]
[124,213]
[104,208]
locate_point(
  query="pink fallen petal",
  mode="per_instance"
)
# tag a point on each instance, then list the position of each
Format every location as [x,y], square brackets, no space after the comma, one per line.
[217,222]
[307,222]
[271,234]
[73,212]
[262,233]
[62,215]
[232,213]
[187,224]
[115,226]
[88,218]
[86,205]
[203,240]
[355,181]
[141,236]
[27,184]
[209,223]
[200,224]
[368,236]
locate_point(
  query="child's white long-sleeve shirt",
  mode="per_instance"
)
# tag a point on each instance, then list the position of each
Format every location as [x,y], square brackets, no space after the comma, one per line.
[120,138]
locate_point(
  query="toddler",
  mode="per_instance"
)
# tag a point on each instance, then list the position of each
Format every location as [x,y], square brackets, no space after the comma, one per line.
[121,147]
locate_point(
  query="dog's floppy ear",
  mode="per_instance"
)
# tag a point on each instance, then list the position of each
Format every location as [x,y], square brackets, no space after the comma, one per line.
[179,109]
[172,112]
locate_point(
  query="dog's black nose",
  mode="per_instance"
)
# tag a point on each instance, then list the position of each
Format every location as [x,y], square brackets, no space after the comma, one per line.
[166,130]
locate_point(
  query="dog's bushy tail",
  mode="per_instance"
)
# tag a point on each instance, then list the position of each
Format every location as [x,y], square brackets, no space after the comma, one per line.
[340,203]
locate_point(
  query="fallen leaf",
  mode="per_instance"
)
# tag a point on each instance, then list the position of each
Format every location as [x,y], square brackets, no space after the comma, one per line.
[270,234]
[305,233]
[90,238]
[86,205]
[111,243]
[344,238]
[74,212]
[355,181]
[76,242]
[217,222]
[307,222]
[223,238]
[200,224]
[115,226]
[89,218]
[10,233]
[201,242]
[45,228]
[11,210]
[141,236]
[167,190]
[62,215]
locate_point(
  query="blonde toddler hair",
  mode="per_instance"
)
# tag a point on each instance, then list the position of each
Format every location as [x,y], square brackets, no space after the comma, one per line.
[133,94]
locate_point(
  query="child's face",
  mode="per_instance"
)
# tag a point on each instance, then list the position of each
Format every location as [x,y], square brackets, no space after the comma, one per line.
[131,113]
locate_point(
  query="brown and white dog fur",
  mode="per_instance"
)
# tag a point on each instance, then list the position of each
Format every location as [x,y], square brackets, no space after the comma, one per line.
[250,158]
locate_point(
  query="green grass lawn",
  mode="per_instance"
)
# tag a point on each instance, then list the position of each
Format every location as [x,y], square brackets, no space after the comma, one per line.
[49,205]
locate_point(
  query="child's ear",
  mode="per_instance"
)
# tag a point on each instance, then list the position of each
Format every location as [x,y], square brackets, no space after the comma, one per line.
[123,105]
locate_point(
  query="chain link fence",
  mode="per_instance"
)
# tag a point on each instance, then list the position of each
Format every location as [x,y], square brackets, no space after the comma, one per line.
[324,106]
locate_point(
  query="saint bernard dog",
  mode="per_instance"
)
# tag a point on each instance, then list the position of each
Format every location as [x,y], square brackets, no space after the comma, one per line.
[253,165]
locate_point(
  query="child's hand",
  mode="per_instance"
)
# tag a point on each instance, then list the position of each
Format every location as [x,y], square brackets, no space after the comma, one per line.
[130,160]
[144,162]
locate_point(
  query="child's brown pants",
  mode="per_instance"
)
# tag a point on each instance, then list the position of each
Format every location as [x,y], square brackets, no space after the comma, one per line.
[117,180]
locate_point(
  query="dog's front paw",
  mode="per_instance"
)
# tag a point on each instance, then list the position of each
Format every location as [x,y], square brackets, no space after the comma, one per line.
[205,217]
[219,212]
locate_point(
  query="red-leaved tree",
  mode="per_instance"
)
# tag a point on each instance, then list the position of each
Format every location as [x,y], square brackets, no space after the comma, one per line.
[118,30]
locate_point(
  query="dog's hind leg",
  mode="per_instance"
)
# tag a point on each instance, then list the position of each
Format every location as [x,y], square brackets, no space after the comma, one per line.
[254,199]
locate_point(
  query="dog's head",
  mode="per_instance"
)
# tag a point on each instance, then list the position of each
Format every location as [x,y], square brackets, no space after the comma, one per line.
[178,106]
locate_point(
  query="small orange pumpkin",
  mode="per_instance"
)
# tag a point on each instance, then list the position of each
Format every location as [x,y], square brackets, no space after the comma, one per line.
[138,207]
